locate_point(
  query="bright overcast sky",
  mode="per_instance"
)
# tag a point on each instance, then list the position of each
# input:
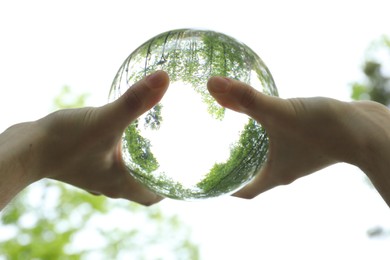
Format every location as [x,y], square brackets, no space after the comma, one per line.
[312,48]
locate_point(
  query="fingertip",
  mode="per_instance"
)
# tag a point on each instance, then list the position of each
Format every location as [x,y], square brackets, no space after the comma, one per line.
[233,94]
[156,199]
[244,194]
[222,89]
[157,80]
[218,85]
[147,92]
[260,184]
[238,96]
[139,98]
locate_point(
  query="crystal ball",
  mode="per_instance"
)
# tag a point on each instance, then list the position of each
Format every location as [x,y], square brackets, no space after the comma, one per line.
[189,147]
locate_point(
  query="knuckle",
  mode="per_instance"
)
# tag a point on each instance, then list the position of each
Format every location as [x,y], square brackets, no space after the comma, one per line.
[132,99]
[151,201]
[248,98]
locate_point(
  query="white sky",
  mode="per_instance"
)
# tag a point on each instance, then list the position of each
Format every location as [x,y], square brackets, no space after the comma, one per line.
[313,48]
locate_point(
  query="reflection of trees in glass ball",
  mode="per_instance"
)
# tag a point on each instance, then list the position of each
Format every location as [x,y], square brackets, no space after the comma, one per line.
[188,146]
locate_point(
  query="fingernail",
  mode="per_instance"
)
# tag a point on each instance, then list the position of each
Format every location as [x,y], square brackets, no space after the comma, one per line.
[155,80]
[219,85]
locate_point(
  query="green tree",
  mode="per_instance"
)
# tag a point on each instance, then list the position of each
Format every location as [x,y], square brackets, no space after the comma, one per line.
[52,220]
[246,158]
[142,159]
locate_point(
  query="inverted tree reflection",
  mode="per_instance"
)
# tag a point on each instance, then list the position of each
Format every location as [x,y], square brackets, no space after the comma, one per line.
[191,57]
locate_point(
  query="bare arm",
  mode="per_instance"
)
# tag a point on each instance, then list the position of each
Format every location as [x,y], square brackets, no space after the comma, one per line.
[308,134]
[14,146]
[79,147]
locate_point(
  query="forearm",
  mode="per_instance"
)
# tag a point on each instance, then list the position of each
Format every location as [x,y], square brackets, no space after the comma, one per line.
[374,153]
[12,180]
[16,145]
[377,162]
[378,173]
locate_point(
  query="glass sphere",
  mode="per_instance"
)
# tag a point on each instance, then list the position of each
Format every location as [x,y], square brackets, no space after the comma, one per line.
[188,146]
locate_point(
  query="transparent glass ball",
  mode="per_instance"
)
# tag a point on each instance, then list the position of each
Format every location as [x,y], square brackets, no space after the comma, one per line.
[188,147]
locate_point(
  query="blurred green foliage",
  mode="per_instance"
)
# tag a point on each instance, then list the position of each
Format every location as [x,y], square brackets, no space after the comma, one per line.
[376,69]
[52,220]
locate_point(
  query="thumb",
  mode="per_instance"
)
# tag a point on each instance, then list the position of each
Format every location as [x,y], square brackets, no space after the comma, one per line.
[139,98]
[243,98]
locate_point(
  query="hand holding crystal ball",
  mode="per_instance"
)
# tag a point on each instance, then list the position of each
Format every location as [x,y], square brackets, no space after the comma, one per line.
[189,147]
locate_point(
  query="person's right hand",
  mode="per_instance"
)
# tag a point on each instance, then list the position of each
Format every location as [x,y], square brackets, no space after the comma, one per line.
[306,134]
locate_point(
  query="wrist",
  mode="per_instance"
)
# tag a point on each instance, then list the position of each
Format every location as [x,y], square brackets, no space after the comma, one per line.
[17,159]
[370,130]
[374,150]
[21,147]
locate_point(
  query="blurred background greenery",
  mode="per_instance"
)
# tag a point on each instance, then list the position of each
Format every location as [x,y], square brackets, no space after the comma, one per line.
[376,70]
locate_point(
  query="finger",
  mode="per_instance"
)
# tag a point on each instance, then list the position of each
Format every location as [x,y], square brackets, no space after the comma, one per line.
[139,98]
[134,191]
[259,184]
[241,97]
[94,193]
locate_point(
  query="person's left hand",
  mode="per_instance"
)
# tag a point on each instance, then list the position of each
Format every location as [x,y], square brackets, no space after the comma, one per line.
[82,146]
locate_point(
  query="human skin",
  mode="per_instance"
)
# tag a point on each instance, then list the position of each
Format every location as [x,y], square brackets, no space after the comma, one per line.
[82,146]
[79,146]
[308,134]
